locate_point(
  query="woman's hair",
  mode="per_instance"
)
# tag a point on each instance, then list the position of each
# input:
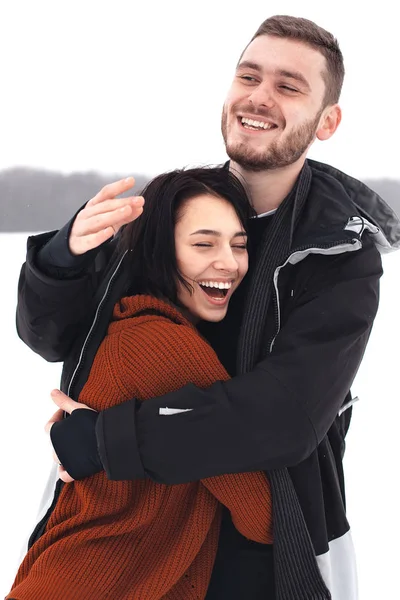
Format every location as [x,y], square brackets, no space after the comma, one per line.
[150,239]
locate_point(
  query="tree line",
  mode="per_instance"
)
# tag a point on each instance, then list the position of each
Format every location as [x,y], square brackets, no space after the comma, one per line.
[33,200]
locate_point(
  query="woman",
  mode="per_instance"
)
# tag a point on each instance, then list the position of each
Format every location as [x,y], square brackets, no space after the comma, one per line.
[143,539]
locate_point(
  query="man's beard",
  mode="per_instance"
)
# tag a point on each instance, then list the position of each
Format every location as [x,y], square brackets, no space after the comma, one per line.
[278,154]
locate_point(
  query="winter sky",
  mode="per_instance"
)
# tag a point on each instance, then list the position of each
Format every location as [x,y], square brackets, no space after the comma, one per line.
[118,89]
[137,86]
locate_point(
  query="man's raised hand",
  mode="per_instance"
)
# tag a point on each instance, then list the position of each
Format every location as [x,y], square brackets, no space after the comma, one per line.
[103,215]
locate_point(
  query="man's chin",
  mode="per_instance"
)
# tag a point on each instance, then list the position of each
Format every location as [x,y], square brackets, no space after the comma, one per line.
[246,157]
[250,163]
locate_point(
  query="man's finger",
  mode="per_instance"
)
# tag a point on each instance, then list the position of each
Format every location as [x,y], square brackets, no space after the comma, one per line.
[112,218]
[112,190]
[87,241]
[58,416]
[115,205]
[64,475]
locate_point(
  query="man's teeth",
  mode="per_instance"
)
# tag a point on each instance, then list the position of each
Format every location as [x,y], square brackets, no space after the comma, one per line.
[216,284]
[257,124]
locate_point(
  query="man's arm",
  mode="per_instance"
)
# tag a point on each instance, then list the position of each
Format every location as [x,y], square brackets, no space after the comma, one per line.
[53,298]
[272,417]
[63,269]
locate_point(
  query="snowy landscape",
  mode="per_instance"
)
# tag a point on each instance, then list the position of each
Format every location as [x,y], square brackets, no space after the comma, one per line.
[93,91]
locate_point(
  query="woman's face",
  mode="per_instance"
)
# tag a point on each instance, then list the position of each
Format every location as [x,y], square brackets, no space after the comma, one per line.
[210,245]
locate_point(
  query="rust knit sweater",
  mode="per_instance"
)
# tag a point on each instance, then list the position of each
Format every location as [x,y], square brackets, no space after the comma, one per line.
[141,540]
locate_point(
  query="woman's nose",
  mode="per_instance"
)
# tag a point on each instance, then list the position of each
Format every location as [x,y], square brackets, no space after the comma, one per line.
[226,261]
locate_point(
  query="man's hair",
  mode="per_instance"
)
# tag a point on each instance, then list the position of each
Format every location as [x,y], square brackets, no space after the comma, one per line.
[303,30]
[150,239]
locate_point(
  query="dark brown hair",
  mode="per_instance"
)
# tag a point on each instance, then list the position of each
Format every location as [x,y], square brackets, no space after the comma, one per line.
[303,30]
[150,239]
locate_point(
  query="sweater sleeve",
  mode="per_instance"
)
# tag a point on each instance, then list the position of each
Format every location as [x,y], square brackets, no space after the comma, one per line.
[154,358]
[277,414]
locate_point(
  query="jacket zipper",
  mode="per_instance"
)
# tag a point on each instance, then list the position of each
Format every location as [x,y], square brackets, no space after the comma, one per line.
[89,335]
[41,525]
[39,528]
[277,273]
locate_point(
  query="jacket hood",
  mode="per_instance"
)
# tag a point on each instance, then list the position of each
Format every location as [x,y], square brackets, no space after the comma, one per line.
[373,213]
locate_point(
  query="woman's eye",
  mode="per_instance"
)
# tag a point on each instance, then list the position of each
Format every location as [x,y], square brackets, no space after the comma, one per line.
[240,247]
[202,245]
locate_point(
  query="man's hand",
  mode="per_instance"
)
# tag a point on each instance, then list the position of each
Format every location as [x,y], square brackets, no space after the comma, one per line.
[103,215]
[68,405]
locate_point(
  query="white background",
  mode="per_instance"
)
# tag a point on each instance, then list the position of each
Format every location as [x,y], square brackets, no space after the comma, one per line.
[107,86]
[114,88]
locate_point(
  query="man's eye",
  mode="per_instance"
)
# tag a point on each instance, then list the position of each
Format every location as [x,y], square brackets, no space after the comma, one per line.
[248,78]
[288,88]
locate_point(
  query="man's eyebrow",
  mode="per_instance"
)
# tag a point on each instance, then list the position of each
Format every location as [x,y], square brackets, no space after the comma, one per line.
[248,64]
[217,233]
[296,75]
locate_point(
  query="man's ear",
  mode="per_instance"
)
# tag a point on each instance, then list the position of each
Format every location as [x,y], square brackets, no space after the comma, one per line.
[329,122]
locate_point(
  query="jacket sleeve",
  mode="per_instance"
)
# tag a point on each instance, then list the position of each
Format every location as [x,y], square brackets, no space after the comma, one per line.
[55,290]
[273,416]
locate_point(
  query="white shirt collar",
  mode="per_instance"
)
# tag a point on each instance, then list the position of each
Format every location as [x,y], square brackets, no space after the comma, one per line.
[269,212]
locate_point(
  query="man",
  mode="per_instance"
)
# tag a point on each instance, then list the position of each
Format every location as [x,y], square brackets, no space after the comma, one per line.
[293,339]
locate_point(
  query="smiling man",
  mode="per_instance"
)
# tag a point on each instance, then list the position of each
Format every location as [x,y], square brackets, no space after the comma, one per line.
[293,338]
[288,125]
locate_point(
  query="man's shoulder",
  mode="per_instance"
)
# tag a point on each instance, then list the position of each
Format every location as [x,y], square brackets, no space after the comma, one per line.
[336,197]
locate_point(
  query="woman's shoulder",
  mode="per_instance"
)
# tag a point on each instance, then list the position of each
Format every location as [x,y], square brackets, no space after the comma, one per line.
[152,345]
[148,321]
[146,305]
[161,331]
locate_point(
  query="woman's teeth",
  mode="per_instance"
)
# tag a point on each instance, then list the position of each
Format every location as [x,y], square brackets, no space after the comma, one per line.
[216,284]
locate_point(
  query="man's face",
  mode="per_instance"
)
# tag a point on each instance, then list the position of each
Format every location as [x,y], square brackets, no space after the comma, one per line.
[274,106]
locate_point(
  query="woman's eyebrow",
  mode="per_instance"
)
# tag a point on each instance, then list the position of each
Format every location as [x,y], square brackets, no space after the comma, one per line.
[217,233]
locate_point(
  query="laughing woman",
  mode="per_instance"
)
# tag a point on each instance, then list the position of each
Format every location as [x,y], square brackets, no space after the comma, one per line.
[136,540]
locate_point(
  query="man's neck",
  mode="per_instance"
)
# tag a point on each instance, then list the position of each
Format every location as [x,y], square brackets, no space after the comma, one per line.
[267,189]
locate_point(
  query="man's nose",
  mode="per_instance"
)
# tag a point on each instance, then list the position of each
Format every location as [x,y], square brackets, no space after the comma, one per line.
[262,96]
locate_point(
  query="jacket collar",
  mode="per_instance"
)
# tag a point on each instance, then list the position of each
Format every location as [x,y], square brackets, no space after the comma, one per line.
[340,203]
[365,209]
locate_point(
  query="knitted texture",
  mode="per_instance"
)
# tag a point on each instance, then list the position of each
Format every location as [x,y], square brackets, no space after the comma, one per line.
[142,540]
[297,575]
